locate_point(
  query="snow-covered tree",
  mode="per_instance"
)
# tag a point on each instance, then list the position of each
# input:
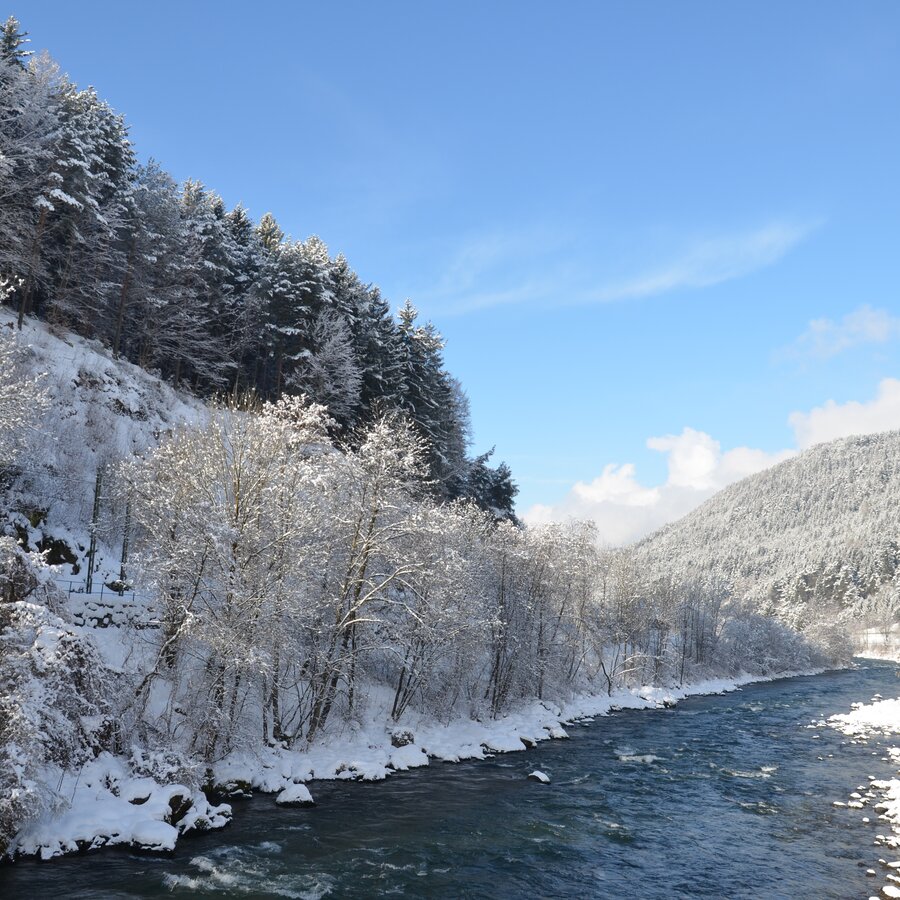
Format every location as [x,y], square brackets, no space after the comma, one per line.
[225,522]
[329,373]
[22,398]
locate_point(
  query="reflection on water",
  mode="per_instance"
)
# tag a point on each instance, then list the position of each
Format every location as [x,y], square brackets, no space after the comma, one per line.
[725,796]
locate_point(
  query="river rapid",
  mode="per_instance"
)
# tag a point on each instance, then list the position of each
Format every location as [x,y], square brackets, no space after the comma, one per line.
[725,796]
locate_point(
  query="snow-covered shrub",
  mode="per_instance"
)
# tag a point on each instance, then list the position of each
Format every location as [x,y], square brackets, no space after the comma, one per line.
[167,766]
[762,645]
[831,641]
[52,710]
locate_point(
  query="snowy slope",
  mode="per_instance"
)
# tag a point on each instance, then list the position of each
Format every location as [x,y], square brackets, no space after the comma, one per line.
[821,528]
[101,410]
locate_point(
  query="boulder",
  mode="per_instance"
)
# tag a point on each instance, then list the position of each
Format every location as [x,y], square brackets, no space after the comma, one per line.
[401,737]
[295,795]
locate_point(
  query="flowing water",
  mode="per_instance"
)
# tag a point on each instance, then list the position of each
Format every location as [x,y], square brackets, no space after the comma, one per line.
[725,796]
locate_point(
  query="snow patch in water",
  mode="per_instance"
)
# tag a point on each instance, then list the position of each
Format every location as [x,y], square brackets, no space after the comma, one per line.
[864,722]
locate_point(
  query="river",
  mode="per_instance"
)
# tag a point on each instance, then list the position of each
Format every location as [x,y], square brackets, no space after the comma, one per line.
[723,796]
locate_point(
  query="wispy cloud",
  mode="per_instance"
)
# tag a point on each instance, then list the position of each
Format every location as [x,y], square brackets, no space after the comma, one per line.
[825,338]
[497,268]
[537,268]
[713,261]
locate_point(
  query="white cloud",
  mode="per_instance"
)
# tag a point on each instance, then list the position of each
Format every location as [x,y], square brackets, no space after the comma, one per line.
[825,338]
[625,510]
[835,420]
[713,261]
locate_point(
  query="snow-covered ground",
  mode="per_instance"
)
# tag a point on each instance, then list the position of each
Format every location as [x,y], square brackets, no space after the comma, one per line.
[876,644]
[101,410]
[865,721]
[108,804]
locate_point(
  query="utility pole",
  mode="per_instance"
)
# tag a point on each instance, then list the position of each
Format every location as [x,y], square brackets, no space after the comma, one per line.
[125,540]
[95,516]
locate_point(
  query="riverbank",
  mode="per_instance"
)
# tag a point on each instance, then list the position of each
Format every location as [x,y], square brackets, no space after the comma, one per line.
[108,805]
[641,803]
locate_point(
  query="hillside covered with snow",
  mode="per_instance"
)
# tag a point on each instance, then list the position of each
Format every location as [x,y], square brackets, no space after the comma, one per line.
[98,410]
[819,532]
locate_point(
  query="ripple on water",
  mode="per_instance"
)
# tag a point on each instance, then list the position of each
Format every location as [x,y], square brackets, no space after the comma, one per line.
[764,772]
[240,871]
[615,831]
[758,807]
[627,754]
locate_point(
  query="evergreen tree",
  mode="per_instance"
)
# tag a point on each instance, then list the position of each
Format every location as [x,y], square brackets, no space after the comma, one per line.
[269,233]
[492,489]
[378,349]
[85,239]
[29,123]
[12,40]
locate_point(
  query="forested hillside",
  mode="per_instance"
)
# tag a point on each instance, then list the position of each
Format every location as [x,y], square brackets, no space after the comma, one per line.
[164,275]
[814,536]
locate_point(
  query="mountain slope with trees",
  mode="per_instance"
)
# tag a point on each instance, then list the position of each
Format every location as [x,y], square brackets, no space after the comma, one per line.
[166,276]
[817,535]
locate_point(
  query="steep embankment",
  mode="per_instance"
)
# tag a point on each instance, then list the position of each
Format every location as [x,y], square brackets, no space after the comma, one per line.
[100,410]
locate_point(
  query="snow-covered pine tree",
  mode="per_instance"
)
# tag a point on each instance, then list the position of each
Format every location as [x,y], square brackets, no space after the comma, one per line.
[12,43]
[30,111]
[87,235]
[329,373]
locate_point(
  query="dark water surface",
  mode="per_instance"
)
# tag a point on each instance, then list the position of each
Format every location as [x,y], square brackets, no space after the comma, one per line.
[737,803]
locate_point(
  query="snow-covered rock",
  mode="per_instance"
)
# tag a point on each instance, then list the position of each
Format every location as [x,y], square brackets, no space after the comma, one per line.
[295,795]
[108,806]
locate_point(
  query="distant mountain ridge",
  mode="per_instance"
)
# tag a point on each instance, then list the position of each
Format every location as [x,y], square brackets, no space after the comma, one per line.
[820,530]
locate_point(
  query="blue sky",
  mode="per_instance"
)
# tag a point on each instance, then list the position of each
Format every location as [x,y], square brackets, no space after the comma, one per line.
[622,216]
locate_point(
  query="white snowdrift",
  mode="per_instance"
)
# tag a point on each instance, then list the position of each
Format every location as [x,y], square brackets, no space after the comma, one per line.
[295,795]
[107,806]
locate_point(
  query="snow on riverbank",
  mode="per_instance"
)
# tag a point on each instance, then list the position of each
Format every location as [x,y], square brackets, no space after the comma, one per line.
[105,804]
[108,805]
[867,721]
[370,754]
[875,643]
